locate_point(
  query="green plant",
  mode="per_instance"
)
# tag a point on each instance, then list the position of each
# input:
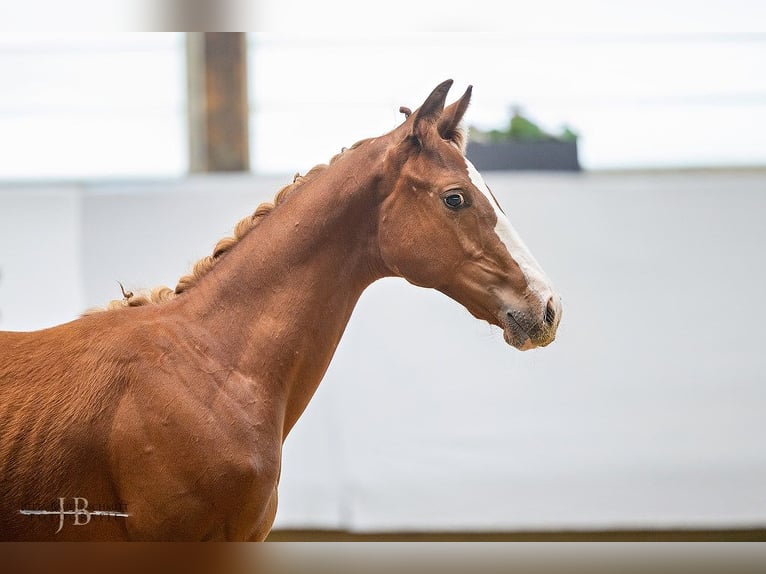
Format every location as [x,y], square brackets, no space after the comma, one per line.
[521,128]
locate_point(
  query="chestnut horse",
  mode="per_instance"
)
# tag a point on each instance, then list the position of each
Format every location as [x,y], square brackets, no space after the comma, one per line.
[163,417]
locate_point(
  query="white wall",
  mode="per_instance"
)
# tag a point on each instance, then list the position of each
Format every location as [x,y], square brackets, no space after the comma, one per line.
[647,410]
[40,256]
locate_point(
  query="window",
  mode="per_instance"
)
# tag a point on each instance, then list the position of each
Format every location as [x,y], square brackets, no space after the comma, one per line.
[645,98]
[92,106]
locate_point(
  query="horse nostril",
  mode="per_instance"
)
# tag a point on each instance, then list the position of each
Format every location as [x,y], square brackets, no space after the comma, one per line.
[550,312]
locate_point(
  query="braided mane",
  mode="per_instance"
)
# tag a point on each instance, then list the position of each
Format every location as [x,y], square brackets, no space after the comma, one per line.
[202,267]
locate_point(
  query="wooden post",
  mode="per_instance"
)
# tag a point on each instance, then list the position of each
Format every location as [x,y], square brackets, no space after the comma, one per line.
[218,103]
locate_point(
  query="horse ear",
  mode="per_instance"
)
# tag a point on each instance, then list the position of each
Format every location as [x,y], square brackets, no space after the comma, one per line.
[427,115]
[449,122]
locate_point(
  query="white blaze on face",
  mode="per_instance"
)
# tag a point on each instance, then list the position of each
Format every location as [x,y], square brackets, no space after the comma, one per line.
[536,279]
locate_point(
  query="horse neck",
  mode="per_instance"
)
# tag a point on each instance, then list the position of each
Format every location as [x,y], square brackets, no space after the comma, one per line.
[277,304]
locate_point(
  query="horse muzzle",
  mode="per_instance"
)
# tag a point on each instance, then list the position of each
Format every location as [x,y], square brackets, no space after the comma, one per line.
[531,328]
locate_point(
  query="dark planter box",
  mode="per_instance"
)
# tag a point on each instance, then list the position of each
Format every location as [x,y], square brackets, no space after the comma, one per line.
[536,155]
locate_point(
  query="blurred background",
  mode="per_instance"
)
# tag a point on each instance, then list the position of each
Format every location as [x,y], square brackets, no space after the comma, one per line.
[125,155]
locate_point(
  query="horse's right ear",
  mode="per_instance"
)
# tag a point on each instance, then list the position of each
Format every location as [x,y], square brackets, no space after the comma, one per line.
[427,116]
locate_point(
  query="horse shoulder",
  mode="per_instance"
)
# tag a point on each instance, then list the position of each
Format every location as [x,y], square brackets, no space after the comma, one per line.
[195,444]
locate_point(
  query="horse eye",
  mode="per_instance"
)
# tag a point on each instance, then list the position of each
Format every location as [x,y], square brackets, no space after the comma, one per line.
[455,200]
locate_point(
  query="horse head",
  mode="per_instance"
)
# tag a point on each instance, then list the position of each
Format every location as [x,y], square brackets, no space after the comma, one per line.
[441,227]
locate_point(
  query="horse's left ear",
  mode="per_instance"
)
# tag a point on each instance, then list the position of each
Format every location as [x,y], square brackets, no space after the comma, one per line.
[427,115]
[449,122]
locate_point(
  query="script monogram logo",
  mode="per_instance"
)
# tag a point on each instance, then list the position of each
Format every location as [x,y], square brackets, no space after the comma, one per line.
[80,513]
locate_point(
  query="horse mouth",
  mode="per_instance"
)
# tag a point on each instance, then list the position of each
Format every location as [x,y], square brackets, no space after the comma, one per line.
[519,331]
[515,335]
